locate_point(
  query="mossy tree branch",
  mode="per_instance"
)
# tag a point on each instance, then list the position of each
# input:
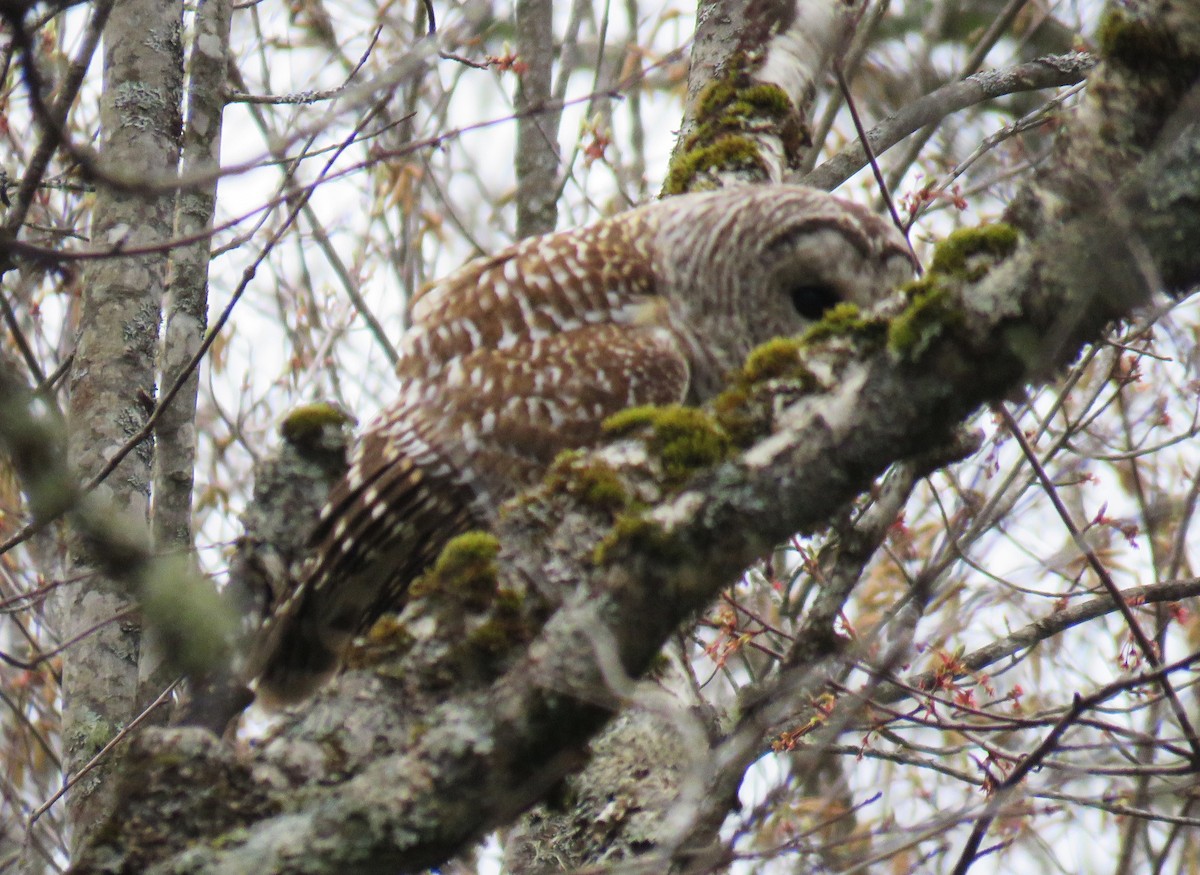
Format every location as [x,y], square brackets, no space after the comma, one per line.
[431,759]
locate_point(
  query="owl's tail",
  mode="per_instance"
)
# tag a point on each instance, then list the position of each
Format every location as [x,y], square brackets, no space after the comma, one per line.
[294,657]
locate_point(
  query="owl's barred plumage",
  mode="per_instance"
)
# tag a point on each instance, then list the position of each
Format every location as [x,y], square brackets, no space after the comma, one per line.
[517,356]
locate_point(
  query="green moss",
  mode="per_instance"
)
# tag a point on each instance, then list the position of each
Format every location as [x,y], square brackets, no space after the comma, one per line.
[635,534]
[466,570]
[166,759]
[744,411]
[966,255]
[778,359]
[683,439]
[969,253]
[844,320]
[595,483]
[468,553]
[740,412]
[385,641]
[728,152]
[767,100]
[689,440]
[504,629]
[388,630]
[1134,41]
[731,112]
[726,106]
[628,421]
[490,639]
[509,601]
[304,424]
[234,837]
[930,311]
[713,98]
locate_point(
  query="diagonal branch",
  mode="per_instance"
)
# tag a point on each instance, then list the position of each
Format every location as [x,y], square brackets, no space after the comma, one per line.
[402,763]
[1050,72]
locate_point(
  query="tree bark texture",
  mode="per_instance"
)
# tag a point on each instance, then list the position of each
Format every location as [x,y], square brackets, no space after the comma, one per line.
[112,381]
[537,127]
[409,757]
[187,304]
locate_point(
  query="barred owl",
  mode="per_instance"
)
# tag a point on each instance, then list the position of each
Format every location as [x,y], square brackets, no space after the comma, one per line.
[517,356]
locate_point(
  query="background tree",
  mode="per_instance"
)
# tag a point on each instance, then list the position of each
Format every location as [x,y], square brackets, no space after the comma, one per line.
[985,665]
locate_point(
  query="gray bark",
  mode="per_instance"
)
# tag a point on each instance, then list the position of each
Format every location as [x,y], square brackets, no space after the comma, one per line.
[112,380]
[404,761]
[754,72]
[1042,73]
[537,126]
[645,780]
[187,303]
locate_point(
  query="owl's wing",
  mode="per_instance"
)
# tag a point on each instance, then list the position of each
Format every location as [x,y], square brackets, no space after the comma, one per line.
[537,298]
[517,408]
[439,462]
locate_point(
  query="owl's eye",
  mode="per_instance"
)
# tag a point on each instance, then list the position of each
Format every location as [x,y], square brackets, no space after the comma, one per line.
[811,302]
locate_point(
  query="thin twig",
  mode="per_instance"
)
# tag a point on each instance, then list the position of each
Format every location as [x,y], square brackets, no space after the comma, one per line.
[309,97]
[1145,645]
[53,119]
[94,761]
[1049,72]
[1078,705]
[247,275]
[866,144]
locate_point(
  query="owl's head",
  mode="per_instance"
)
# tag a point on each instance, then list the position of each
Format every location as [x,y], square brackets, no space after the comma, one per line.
[748,263]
